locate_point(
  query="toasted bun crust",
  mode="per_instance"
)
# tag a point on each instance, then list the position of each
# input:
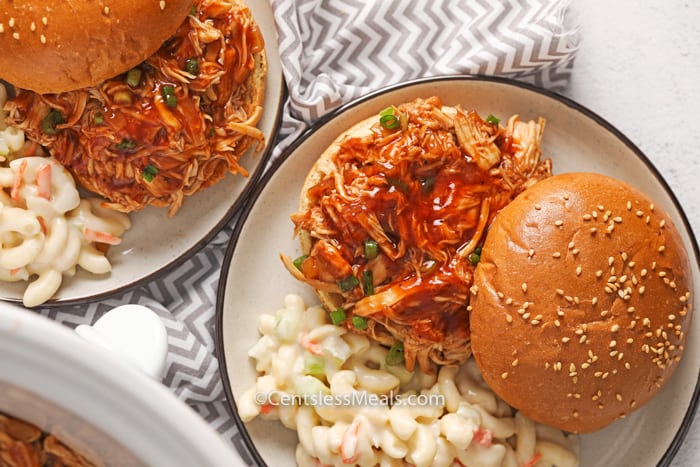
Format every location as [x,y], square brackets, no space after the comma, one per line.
[581,303]
[323,166]
[52,47]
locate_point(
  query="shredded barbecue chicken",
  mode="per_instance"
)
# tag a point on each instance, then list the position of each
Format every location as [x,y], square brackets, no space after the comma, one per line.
[169,127]
[396,221]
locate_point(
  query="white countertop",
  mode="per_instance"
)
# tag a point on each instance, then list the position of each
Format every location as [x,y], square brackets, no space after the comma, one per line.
[638,67]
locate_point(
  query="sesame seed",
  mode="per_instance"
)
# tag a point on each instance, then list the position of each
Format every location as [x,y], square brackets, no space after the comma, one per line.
[575,251]
[647,220]
[504,375]
[579,332]
[566,196]
[611,260]
[535,322]
[2,28]
[559,223]
[531,253]
[615,328]
[582,339]
[594,301]
[509,318]
[44,20]
[594,214]
[572,367]
[617,219]
[613,343]
[15,36]
[622,279]
[509,301]
[11,23]
[556,254]
[500,294]
[627,365]
[601,208]
[526,316]
[662,224]
[604,313]
[629,205]
[651,207]
[538,206]
[565,339]
[641,290]
[662,248]
[599,273]
[514,362]
[561,292]
[630,340]
[586,217]
[593,230]
[106,10]
[618,397]
[578,270]
[162,4]
[32,26]
[557,323]
[631,309]
[662,274]
[42,38]
[571,245]
[524,287]
[560,313]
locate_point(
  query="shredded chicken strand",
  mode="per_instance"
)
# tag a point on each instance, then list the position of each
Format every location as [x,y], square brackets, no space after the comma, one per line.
[426,194]
[128,144]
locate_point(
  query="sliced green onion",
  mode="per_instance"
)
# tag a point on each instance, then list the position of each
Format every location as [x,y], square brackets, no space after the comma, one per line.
[492,120]
[338,316]
[390,122]
[299,261]
[126,144]
[192,66]
[427,185]
[313,364]
[98,118]
[368,282]
[474,258]
[371,249]
[398,184]
[395,355]
[478,250]
[123,97]
[168,93]
[51,121]
[193,11]
[133,77]
[388,111]
[359,322]
[348,283]
[149,172]
[428,266]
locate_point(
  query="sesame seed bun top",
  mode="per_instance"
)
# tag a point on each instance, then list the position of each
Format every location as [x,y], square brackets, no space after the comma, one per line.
[51,47]
[582,301]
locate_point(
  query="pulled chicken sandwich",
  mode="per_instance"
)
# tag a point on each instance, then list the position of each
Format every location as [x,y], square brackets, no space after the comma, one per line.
[392,216]
[169,126]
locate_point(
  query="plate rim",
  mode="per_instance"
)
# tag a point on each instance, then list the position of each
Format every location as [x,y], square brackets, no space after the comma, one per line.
[236,207]
[250,201]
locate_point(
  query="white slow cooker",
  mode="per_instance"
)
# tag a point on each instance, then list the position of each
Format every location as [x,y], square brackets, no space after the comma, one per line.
[97,403]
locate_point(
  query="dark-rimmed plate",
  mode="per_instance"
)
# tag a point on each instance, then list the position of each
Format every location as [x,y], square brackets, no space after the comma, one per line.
[156,243]
[254,281]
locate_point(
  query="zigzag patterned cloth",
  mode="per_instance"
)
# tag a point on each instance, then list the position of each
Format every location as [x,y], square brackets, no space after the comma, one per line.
[331,52]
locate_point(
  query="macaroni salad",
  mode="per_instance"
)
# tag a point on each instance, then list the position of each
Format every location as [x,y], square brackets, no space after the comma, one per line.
[46,229]
[352,401]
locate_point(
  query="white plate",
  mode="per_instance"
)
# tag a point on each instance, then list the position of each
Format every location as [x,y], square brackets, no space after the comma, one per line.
[254,281]
[156,243]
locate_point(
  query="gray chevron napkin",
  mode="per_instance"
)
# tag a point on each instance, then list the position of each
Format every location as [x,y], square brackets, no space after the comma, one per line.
[331,52]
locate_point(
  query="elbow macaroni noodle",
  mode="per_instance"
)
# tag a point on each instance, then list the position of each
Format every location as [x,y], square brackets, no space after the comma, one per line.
[348,406]
[46,230]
